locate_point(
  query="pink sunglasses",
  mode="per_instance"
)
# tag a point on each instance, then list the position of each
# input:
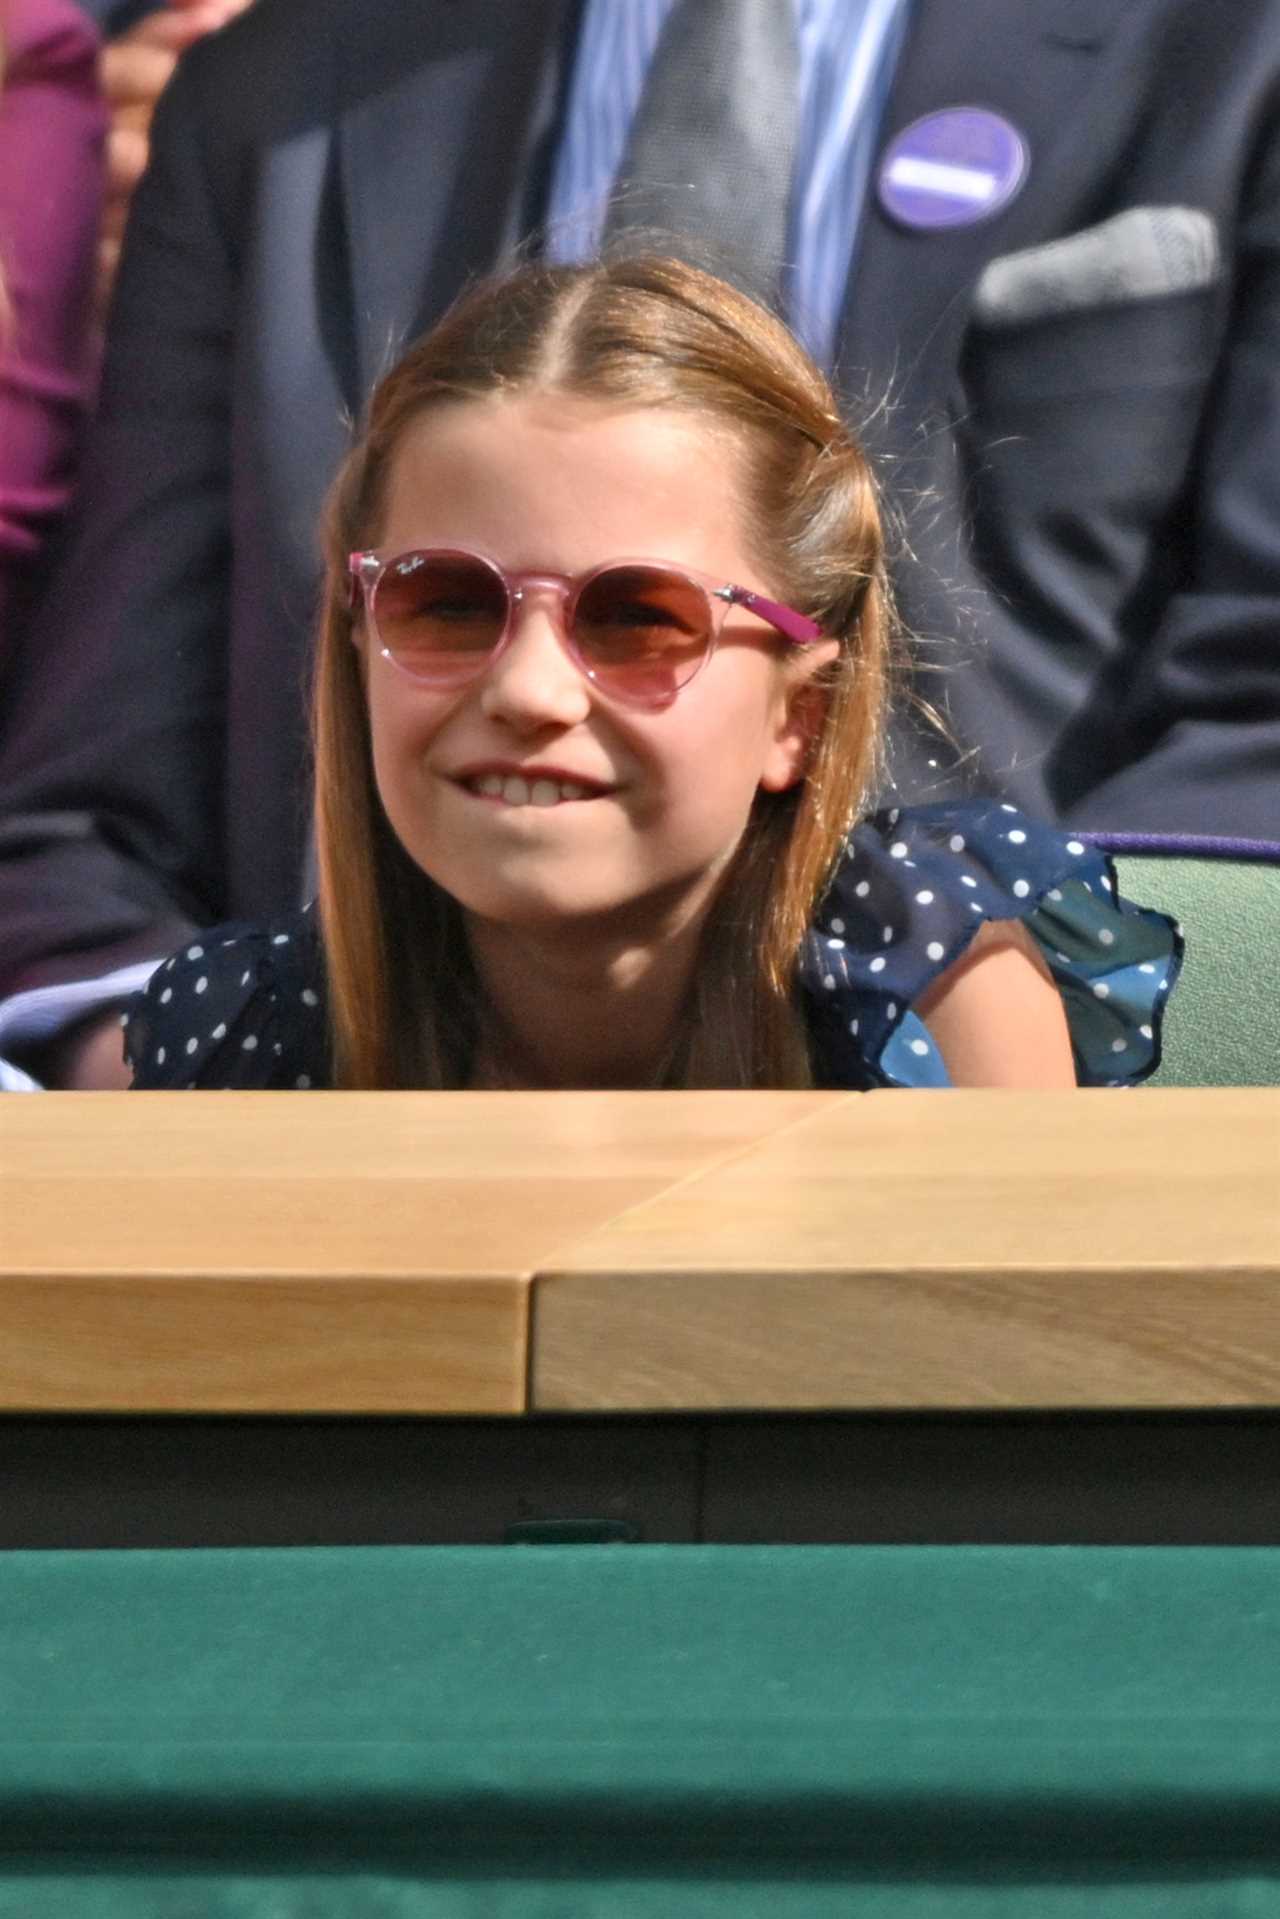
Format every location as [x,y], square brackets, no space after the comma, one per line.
[639,630]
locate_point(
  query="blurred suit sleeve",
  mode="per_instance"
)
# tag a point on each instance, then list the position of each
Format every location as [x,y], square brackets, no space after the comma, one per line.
[111,802]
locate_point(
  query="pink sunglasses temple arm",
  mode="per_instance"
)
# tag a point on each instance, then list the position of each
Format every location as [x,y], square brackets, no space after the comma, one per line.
[793,626]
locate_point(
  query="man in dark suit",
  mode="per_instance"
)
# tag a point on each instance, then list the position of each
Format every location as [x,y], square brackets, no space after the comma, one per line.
[1088,461]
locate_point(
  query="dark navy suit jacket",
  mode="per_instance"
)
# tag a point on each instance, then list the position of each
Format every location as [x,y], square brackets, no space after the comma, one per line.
[1092,498]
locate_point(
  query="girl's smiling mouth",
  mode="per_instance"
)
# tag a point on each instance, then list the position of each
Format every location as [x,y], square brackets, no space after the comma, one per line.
[542,786]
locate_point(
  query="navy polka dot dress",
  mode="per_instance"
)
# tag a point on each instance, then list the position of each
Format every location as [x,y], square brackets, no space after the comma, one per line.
[907,898]
[244,1006]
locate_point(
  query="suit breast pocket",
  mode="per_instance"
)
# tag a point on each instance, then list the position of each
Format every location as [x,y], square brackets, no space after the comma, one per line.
[1114,347]
[1087,421]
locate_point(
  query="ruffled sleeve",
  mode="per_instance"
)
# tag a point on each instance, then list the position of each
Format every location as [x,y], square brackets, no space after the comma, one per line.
[909,894]
[241,1007]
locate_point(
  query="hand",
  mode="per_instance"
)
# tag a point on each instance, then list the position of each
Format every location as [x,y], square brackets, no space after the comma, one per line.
[134,71]
[90,1058]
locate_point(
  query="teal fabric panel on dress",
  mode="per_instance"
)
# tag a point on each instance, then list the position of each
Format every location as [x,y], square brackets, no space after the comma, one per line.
[632,1730]
[1222,1026]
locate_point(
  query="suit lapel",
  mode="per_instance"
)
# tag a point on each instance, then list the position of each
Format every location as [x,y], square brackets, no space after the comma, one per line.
[442,146]
[1048,66]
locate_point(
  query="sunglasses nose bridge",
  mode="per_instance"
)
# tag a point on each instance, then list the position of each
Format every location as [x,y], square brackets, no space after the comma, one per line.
[526,591]
[531,586]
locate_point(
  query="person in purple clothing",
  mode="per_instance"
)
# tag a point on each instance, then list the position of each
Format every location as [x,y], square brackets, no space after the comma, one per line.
[74,122]
[52,127]
[602,675]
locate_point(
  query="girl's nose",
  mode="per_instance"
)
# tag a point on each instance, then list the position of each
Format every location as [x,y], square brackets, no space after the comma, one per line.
[534,683]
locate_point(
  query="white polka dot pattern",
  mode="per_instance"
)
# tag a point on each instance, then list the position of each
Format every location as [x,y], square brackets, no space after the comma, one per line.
[917,887]
[235,1009]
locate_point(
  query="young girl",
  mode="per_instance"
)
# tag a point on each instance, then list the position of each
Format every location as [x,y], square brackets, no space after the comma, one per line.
[602,674]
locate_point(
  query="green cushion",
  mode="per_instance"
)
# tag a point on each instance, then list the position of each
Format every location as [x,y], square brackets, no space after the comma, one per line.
[1222,1027]
[1053,1733]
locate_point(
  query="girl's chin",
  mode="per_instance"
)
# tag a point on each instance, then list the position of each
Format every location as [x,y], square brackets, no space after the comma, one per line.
[563,899]
[571,915]
[574,914]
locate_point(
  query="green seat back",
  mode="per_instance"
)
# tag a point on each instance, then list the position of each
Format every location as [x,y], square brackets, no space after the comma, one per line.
[1222,1027]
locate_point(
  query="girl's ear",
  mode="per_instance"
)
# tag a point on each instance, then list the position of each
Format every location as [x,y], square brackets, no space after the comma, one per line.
[798,722]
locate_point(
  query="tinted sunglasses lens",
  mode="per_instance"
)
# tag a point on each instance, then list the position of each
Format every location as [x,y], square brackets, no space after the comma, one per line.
[439,616]
[642,631]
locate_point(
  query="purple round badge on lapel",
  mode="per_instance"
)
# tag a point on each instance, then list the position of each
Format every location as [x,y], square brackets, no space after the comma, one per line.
[953,168]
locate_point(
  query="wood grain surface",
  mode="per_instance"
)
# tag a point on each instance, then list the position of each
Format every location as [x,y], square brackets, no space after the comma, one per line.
[300,1252]
[501,1252]
[942,1250]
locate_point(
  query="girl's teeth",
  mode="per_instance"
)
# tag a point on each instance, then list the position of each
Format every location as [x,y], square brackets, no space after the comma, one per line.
[516,791]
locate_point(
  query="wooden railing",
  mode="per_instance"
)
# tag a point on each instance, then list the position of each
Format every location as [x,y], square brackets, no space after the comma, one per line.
[506,1253]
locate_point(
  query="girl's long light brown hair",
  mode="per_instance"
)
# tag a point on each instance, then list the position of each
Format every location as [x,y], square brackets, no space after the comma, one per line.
[644,331]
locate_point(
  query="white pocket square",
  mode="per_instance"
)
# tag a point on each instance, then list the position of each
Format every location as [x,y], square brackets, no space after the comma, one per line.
[1137,255]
